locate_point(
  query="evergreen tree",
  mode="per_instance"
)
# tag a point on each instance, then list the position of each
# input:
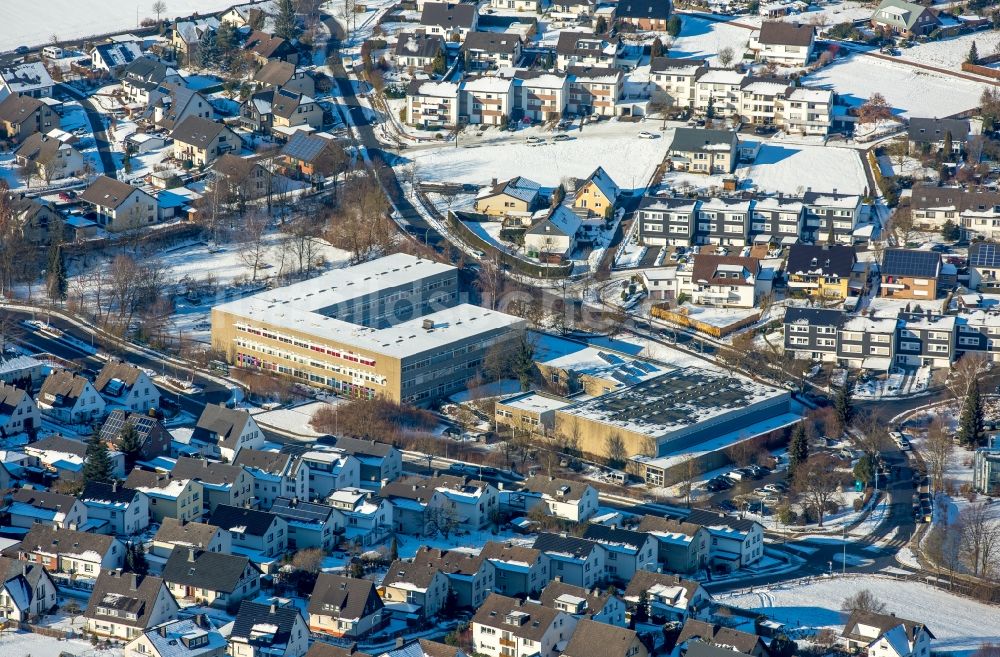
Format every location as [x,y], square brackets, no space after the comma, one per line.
[973,57]
[674,26]
[135,558]
[601,26]
[226,39]
[56,280]
[950,231]
[393,550]
[558,194]
[710,110]
[208,50]
[97,463]
[656,48]
[970,422]
[440,64]
[641,614]
[864,471]
[798,448]
[129,444]
[285,24]
[948,145]
[524,363]
[842,404]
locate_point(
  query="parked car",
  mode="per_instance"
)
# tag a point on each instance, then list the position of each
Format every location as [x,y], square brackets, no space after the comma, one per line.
[535,141]
[645,134]
[561,138]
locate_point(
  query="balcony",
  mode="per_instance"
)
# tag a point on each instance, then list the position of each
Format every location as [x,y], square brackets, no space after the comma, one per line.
[508,643]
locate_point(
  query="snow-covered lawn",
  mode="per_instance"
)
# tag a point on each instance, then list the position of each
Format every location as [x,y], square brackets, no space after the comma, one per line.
[960,625]
[36,22]
[703,38]
[789,168]
[614,145]
[24,644]
[293,420]
[911,91]
[950,53]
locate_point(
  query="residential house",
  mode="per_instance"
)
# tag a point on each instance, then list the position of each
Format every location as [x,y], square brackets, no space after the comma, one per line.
[278,74]
[717,91]
[125,605]
[27,79]
[517,198]
[553,235]
[485,100]
[781,42]
[508,627]
[812,333]
[312,157]
[593,638]
[595,605]
[931,135]
[648,16]
[211,578]
[575,9]
[267,48]
[910,274]
[21,371]
[262,630]
[725,281]
[453,22]
[669,597]
[240,179]
[626,551]
[886,634]
[596,196]
[255,533]
[984,266]
[587,49]
[867,342]
[36,222]
[541,95]
[223,483]
[244,16]
[172,103]
[185,534]
[702,150]
[113,57]
[170,497]
[186,37]
[715,634]
[26,590]
[575,560]
[594,90]
[933,205]
[380,462]
[64,457]
[667,221]
[281,111]
[518,570]
[777,220]
[125,385]
[330,470]
[119,206]
[18,412]
[419,50]
[414,590]
[490,50]
[227,429]
[469,503]
[143,75]
[735,542]
[200,141]
[28,507]
[828,212]
[432,105]
[23,116]
[186,637]
[69,398]
[72,551]
[682,547]
[822,271]
[367,519]
[310,525]
[675,79]
[760,100]
[125,510]
[345,607]
[470,577]
[925,338]
[154,440]
[906,19]
[806,111]
[530,6]
[274,475]
[697,648]
[52,155]
[569,500]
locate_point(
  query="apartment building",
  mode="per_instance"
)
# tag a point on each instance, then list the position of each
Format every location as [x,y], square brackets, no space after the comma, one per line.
[785,43]
[813,333]
[486,100]
[667,221]
[717,92]
[675,79]
[366,331]
[542,96]
[432,105]
[867,342]
[807,111]
[702,150]
[777,220]
[760,100]
[726,220]
[594,90]
[830,211]
[587,49]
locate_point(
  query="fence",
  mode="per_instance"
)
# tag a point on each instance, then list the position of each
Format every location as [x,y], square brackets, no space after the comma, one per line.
[981,70]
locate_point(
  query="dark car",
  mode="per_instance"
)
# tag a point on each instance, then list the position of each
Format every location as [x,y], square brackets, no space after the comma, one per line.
[727,506]
[22,50]
[763,130]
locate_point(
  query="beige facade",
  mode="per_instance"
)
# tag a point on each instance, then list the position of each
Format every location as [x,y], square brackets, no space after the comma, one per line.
[202,153]
[432,104]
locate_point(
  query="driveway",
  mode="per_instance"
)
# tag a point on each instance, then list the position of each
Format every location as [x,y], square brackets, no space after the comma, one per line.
[96,120]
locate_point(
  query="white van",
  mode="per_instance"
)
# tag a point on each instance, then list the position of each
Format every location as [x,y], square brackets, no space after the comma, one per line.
[52,52]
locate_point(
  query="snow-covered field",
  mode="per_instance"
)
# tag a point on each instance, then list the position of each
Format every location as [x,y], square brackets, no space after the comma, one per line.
[23,644]
[911,91]
[612,144]
[781,168]
[702,38]
[960,625]
[32,23]
[950,53]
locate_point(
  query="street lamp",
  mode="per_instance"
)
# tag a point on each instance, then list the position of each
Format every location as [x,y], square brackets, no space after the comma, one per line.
[844,563]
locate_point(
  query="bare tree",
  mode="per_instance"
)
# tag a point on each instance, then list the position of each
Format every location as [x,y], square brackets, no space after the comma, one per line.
[817,482]
[943,547]
[614,450]
[863,601]
[937,452]
[966,371]
[980,539]
[490,280]
[874,110]
[902,226]
[253,246]
[159,8]
[726,56]
[870,433]
[441,519]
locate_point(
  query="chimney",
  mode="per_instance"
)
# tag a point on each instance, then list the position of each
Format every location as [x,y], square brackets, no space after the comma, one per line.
[162,630]
[204,464]
[134,582]
[114,486]
[201,620]
[428,324]
[191,555]
[274,608]
[400,642]
[493,182]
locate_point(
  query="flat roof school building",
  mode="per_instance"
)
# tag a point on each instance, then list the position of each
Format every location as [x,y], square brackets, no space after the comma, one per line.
[392,327]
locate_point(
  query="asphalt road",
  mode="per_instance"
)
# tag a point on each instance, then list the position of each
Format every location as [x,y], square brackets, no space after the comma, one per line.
[96,120]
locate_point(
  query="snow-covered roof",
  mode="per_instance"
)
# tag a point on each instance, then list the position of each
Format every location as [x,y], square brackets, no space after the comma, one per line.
[811,95]
[487,84]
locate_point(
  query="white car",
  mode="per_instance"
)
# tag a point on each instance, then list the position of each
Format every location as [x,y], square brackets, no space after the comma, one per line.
[645,134]
[535,141]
